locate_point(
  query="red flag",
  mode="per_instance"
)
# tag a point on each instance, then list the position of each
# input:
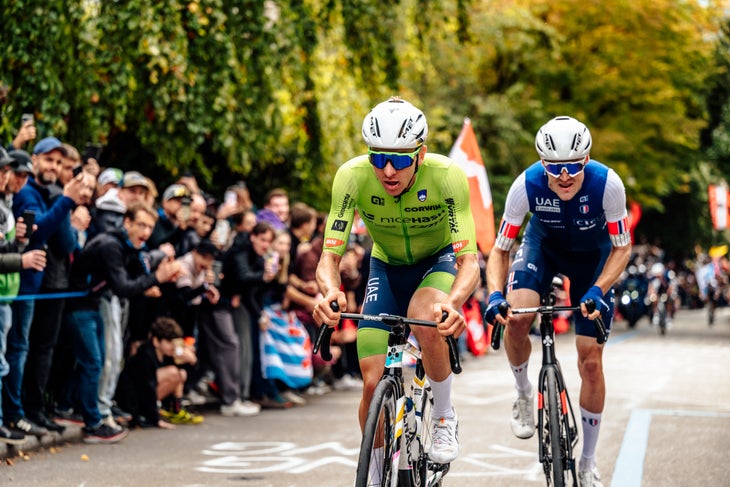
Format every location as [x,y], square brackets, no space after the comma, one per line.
[466,153]
[718,205]
[634,217]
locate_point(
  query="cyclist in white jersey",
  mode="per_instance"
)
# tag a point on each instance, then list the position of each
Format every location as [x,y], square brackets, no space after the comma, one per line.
[579,228]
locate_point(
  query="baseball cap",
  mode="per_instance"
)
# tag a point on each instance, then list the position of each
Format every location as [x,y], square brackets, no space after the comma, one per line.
[48,144]
[134,178]
[175,191]
[110,175]
[21,161]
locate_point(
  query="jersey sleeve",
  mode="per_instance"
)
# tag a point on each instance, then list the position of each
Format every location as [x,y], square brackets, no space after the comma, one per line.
[515,209]
[461,222]
[614,205]
[342,211]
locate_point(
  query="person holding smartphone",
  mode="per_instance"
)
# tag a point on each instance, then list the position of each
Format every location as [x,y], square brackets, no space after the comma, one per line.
[11,262]
[52,207]
[26,132]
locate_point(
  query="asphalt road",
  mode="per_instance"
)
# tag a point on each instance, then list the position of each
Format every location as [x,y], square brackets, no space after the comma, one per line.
[666,423]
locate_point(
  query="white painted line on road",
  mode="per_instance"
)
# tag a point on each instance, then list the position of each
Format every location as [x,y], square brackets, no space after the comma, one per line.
[629,468]
[630,462]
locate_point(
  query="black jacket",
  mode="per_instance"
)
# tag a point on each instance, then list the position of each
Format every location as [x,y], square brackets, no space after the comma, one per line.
[109,262]
[137,389]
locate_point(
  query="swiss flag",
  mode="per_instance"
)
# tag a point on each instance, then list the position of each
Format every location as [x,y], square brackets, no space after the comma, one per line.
[466,153]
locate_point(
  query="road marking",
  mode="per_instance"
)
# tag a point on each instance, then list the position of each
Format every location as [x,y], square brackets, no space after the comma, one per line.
[268,457]
[629,468]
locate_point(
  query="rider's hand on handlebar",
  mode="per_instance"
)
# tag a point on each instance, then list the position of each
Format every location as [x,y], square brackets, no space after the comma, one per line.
[492,314]
[323,312]
[454,324]
[596,295]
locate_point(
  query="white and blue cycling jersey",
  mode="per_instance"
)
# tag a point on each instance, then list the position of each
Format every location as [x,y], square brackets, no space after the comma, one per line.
[571,237]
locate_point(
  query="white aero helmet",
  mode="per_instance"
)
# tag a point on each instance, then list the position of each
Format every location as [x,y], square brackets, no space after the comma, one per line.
[563,139]
[395,124]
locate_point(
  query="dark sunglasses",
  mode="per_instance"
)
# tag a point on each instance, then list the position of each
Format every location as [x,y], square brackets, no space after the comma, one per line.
[400,160]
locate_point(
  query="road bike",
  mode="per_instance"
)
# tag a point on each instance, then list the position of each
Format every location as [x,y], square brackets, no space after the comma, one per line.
[397,433]
[556,426]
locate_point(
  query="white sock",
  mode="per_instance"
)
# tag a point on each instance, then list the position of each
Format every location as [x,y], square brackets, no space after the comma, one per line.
[442,407]
[376,466]
[522,383]
[591,426]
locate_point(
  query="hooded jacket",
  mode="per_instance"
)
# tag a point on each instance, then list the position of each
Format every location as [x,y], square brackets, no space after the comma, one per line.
[109,263]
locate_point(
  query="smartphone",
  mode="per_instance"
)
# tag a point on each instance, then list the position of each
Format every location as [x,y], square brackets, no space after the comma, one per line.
[217,270]
[29,220]
[25,118]
[77,170]
[222,231]
[184,214]
[92,151]
[230,197]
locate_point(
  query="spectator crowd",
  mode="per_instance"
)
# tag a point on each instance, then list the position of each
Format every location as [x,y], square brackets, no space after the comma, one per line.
[127,305]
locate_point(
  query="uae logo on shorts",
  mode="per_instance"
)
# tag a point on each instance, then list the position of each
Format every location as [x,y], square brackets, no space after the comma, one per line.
[584,209]
[422,195]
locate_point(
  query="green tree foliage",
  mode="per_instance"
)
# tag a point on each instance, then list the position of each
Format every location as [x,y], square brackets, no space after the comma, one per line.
[635,72]
[274,91]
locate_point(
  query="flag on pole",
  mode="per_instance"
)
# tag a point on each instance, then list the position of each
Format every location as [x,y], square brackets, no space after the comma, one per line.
[718,196]
[466,153]
[634,217]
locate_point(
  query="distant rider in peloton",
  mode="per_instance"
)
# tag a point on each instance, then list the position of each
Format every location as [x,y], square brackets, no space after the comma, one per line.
[415,206]
[579,227]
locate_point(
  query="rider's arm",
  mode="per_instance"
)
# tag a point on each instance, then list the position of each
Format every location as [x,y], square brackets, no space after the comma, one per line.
[328,273]
[336,235]
[615,265]
[614,203]
[467,279]
[328,279]
[497,267]
[515,209]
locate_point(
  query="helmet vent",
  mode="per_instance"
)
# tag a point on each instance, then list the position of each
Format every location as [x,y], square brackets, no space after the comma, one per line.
[405,128]
[549,143]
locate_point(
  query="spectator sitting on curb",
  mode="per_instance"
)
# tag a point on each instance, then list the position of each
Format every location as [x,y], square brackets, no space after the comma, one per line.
[153,375]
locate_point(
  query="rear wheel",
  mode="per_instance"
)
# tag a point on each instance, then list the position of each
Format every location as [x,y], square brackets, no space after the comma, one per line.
[379,442]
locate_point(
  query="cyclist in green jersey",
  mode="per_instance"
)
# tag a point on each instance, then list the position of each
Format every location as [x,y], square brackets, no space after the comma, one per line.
[424,262]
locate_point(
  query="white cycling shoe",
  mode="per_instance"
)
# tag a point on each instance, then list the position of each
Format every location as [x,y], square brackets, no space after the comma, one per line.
[523,417]
[444,440]
[589,478]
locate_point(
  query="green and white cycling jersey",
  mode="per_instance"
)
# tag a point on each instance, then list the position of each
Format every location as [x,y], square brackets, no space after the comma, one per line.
[432,214]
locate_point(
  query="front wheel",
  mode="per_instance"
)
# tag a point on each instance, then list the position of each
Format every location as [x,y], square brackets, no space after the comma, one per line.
[379,441]
[553,454]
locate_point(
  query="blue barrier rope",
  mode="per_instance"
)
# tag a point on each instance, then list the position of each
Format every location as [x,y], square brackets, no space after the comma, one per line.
[29,297]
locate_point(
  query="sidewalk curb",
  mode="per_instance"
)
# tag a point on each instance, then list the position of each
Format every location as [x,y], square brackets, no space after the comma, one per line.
[72,434]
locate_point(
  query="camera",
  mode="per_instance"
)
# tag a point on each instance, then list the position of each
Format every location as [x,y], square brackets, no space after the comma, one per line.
[25,118]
